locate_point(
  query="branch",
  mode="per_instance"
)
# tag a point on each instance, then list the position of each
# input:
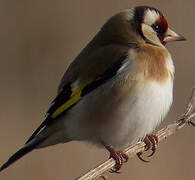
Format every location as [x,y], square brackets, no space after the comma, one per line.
[140,146]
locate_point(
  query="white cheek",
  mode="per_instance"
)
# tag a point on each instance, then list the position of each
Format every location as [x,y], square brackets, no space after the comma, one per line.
[150,34]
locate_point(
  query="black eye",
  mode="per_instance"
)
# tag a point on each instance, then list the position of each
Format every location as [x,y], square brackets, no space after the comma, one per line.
[157,28]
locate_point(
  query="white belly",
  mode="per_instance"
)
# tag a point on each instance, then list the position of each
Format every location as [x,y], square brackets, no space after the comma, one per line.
[140,115]
[120,124]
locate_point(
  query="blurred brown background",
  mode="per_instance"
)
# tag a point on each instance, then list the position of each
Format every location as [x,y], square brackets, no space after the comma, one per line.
[38,39]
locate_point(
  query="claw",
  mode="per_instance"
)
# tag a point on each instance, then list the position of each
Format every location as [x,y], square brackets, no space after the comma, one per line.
[125,157]
[154,142]
[139,155]
[147,142]
[151,141]
[119,157]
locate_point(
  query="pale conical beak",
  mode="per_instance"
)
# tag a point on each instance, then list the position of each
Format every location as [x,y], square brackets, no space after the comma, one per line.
[172,36]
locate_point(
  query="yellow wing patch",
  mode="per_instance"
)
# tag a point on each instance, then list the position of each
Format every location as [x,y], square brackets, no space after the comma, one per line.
[75,96]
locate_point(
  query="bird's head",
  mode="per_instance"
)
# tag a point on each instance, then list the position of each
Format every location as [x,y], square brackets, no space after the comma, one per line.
[153,27]
[140,24]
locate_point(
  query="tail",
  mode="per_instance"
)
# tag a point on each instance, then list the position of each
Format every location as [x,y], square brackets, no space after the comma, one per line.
[23,151]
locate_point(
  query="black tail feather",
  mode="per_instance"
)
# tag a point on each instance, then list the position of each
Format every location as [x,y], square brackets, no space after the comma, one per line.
[20,153]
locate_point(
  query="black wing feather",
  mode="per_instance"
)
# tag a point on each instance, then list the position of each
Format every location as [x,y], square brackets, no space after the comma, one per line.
[66,93]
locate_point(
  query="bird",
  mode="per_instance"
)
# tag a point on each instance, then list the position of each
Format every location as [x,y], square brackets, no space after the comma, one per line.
[116,91]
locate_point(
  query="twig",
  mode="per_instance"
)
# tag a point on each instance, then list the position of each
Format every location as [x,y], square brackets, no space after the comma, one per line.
[138,147]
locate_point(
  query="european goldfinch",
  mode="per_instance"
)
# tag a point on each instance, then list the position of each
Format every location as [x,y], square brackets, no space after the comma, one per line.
[116,91]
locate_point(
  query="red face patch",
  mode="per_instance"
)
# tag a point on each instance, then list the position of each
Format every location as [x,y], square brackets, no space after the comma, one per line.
[161,27]
[162,22]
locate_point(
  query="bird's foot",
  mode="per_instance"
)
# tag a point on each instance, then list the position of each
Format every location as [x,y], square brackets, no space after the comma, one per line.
[151,142]
[119,156]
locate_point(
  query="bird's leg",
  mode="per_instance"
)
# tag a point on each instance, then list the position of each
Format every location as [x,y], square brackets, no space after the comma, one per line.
[119,156]
[151,141]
